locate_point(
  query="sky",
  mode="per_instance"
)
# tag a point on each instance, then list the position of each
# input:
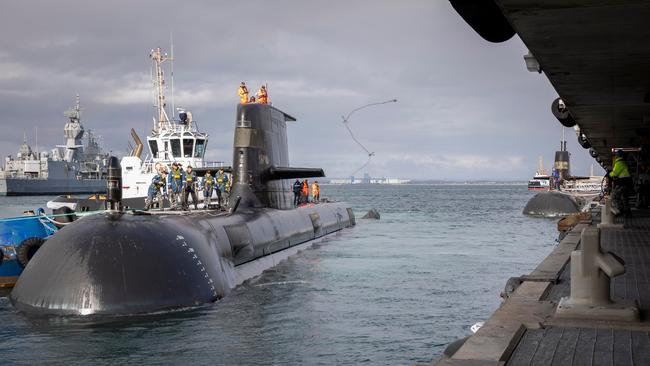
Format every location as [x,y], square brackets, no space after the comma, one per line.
[467,109]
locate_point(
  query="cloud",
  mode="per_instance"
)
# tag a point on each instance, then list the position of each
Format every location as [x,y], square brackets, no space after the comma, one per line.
[463,103]
[12,70]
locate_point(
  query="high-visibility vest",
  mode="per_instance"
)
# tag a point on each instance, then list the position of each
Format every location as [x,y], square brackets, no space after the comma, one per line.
[262,96]
[620,169]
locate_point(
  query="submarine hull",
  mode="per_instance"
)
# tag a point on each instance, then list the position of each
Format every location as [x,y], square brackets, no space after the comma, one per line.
[123,263]
[551,204]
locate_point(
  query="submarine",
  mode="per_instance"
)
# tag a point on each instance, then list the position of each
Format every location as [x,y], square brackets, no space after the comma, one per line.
[554,203]
[134,262]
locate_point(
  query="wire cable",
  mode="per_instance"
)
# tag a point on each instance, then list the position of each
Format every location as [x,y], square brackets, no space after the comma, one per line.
[346,123]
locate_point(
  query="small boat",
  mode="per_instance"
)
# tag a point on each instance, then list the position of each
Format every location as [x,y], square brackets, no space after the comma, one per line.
[541,181]
[20,238]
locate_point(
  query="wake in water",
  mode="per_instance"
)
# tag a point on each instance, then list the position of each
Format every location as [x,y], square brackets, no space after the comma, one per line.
[282,283]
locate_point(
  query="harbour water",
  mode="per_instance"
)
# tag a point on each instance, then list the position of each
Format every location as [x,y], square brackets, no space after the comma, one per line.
[393,291]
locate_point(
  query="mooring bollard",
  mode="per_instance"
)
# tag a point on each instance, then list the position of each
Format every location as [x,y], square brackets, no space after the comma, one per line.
[591,273]
[607,217]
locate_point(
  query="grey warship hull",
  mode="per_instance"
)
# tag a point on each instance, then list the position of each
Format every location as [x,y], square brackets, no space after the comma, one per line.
[73,168]
[34,187]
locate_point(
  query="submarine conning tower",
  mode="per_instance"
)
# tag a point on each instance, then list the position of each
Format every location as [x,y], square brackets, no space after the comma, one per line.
[562,164]
[260,172]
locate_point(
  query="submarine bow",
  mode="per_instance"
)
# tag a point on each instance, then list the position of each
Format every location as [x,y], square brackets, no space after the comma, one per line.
[124,264]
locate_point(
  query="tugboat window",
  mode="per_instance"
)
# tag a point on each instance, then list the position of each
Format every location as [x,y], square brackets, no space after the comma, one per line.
[188,145]
[153,145]
[176,147]
[200,147]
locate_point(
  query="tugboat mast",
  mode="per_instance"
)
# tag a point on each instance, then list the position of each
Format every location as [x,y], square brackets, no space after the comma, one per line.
[162,121]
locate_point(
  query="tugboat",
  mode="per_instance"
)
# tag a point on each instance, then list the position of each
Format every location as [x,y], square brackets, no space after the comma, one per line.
[170,141]
[72,168]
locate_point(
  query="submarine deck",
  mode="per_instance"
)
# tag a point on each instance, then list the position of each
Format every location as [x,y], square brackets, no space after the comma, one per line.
[524,331]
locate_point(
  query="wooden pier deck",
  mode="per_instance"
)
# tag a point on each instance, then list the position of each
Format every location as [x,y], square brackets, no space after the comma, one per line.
[525,331]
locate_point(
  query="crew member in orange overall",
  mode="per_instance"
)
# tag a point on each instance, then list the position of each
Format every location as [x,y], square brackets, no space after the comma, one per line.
[262,95]
[243,93]
[305,191]
[315,192]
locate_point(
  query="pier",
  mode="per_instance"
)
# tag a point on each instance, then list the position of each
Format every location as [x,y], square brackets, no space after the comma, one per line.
[527,329]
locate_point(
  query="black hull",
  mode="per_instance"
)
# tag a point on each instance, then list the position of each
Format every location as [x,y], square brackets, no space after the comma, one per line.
[119,264]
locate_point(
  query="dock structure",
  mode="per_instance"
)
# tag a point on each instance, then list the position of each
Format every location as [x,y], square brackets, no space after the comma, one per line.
[528,329]
[588,302]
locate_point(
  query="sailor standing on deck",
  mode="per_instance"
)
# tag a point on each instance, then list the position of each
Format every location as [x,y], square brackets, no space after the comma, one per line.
[189,188]
[208,186]
[305,191]
[222,181]
[262,95]
[623,184]
[243,93]
[315,192]
[158,182]
[175,184]
[297,187]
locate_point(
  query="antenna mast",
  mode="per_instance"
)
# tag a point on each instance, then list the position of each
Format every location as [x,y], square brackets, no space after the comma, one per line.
[159,93]
[171,39]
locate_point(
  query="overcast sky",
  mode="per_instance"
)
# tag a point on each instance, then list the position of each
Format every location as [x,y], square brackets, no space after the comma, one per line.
[467,109]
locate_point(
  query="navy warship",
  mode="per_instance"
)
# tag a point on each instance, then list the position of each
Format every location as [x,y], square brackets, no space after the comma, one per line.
[130,262]
[76,167]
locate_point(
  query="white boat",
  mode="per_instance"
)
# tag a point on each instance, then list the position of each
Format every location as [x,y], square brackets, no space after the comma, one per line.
[169,141]
[541,181]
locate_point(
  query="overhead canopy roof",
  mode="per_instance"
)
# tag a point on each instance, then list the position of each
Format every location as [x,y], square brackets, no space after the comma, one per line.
[597,56]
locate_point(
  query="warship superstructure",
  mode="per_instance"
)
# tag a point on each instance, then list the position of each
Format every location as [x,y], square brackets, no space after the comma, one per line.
[79,166]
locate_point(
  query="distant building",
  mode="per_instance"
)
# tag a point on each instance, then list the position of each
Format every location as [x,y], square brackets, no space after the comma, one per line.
[369,180]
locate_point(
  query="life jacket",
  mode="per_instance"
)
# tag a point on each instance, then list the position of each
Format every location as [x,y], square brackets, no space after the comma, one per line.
[208,180]
[189,177]
[315,189]
[243,94]
[176,173]
[620,169]
[262,96]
